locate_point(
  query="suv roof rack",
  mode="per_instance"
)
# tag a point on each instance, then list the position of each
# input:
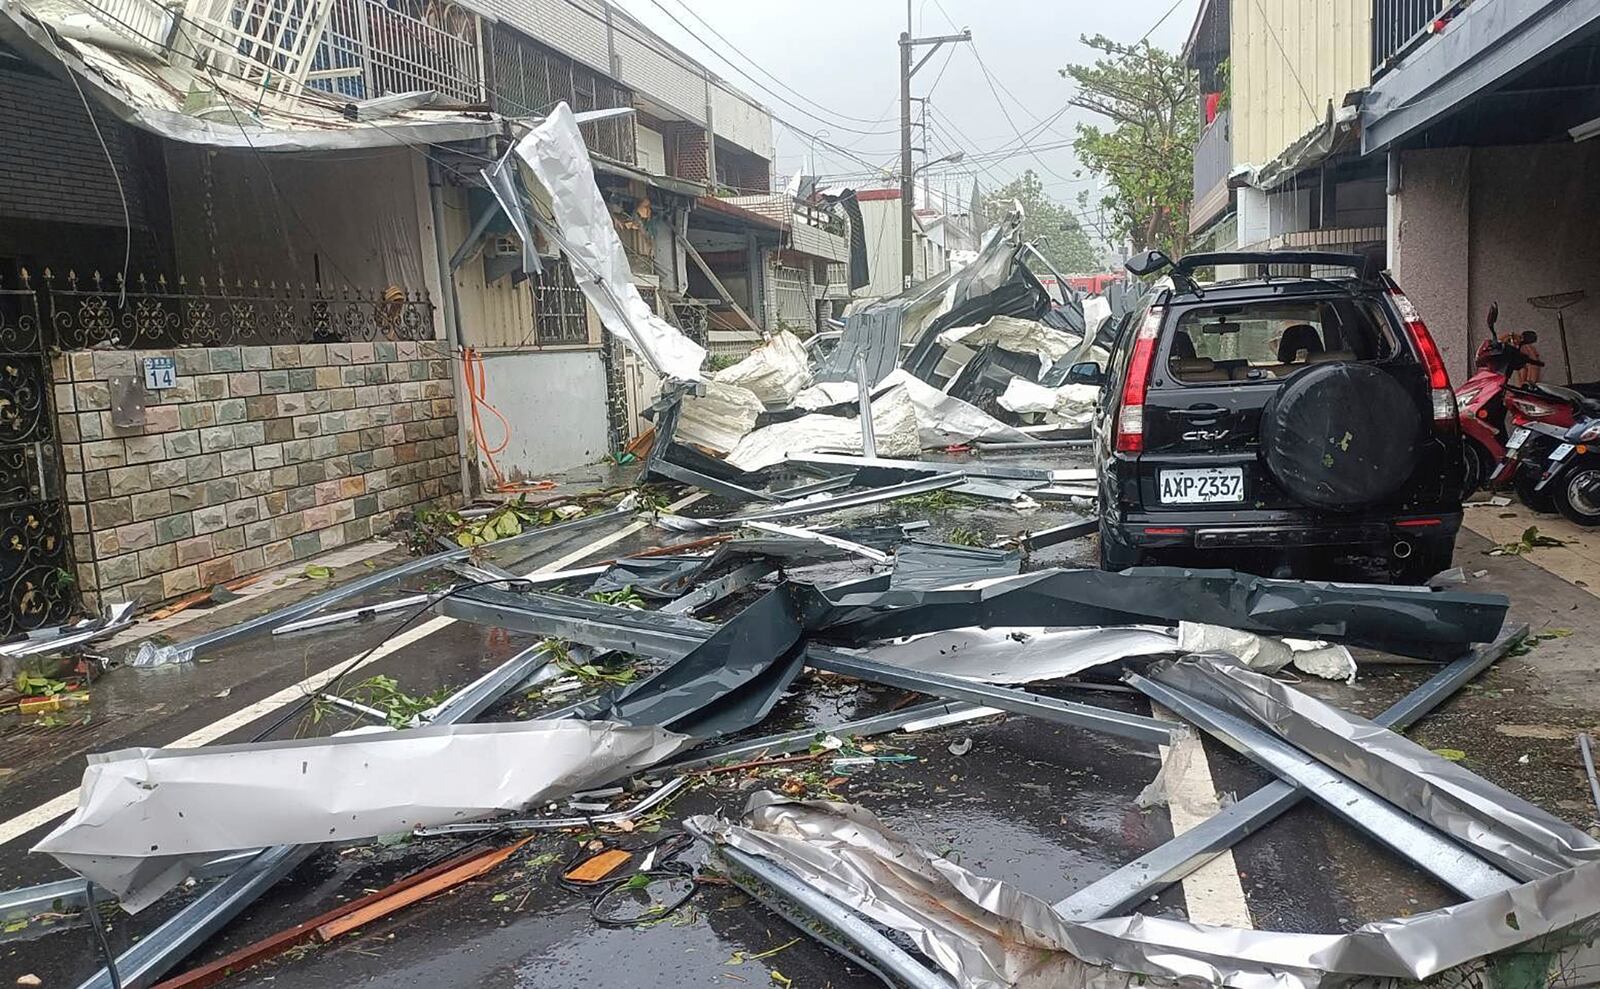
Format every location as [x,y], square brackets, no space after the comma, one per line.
[1365,268]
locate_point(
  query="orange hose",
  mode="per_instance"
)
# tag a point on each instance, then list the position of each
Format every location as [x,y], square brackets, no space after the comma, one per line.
[477,392]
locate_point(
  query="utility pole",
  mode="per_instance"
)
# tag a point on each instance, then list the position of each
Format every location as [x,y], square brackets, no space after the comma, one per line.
[907,173]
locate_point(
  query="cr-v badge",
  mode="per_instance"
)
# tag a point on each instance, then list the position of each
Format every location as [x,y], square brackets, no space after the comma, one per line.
[1208,435]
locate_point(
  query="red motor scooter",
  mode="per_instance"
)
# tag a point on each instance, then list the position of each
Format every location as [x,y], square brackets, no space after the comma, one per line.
[1490,408]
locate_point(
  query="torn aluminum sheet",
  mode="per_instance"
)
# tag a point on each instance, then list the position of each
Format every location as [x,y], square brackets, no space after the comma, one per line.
[722,685]
[558,160]
[1022,655]
[719,419]
[877,329]
[1525,840]
[920,564]
[48,641]
[942,420]
[894,423]
[1019,336]
[989,934]
[775,372]
[151,95]
[1407,621]
[1266,654]
[1069,405]
[146,816]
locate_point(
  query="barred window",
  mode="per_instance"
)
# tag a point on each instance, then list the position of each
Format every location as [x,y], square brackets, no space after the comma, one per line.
[559,313]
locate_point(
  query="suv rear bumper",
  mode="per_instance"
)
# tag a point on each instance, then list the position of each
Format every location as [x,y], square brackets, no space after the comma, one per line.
[1169,530]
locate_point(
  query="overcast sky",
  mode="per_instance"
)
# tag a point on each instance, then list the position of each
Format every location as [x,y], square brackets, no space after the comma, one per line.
[841,56]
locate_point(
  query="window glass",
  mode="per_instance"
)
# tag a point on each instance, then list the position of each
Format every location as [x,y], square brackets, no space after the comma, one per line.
[1273,339]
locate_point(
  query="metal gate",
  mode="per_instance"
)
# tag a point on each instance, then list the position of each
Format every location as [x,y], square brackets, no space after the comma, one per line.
[37,577]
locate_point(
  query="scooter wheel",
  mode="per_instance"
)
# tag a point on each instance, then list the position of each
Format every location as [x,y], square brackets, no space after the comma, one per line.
[1577,491]
[1478,464]
[1539,501]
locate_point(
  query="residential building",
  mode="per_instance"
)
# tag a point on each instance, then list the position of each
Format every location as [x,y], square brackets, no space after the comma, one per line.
[1449,138]
[1484,114]
[1278,161]
[304,255]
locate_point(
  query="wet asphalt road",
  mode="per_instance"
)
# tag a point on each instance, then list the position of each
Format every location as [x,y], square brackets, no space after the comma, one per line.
[1049,807]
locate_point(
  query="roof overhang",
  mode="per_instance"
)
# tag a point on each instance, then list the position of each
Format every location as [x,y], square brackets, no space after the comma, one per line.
[140,92]
[1485,46]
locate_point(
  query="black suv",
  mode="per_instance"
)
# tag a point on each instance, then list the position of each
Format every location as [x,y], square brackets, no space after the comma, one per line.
[1275,422]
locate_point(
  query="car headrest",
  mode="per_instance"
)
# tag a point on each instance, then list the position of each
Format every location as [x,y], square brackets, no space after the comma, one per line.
[1300,336]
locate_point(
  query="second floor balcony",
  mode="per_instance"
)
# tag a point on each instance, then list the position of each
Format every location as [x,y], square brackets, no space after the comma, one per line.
[1213,160]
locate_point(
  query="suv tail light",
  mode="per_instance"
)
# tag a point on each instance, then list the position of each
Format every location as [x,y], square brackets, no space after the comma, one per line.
[1130,420]
[1443,399]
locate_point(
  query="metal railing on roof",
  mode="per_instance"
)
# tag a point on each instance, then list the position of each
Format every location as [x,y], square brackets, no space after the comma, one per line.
[1398,26]
[369,49]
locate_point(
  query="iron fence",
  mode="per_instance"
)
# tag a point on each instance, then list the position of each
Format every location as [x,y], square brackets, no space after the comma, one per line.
[37,585]
[75,313]
[1399,26]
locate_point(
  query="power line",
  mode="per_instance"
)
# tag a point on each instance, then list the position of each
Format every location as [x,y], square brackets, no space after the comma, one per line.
[757,83]
[1160,21]
[786,87]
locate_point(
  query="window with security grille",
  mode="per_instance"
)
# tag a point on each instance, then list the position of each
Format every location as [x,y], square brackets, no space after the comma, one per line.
[560,315]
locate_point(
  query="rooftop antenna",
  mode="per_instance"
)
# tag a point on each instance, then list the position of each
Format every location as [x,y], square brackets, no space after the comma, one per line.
[1559,302]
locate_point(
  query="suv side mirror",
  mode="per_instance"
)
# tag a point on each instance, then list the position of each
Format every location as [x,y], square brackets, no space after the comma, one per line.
[1147,263]
[1087,373]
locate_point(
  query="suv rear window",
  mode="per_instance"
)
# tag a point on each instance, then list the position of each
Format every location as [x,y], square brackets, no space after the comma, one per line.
[1271,339]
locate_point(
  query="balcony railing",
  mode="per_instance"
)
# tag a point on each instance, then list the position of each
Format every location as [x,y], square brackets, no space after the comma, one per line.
[369,49]
[1213,160]
[1398,26]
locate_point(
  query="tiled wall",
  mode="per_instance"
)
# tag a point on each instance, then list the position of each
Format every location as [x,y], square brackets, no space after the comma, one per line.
[259,456]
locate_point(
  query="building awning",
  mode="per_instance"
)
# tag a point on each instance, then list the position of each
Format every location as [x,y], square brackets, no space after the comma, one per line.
[152,95]
[666,183]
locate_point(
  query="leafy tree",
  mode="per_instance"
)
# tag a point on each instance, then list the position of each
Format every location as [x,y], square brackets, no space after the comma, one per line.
[1146,153]
[1065,244]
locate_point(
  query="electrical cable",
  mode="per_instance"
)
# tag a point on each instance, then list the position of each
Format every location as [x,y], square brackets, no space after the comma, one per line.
[758,84]
[735,49]
[661,856]
[107,956]
[116,176]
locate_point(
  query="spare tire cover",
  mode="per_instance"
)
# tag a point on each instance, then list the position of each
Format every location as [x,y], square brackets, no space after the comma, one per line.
[1341,436]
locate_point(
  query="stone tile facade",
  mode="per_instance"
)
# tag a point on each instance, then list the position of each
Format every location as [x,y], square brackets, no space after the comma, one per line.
[259,456]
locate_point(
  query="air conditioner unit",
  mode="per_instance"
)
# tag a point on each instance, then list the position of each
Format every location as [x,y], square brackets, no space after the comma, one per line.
[503,246]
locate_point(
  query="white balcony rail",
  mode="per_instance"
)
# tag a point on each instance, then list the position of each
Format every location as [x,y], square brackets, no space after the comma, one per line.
[370,50]
[267,45]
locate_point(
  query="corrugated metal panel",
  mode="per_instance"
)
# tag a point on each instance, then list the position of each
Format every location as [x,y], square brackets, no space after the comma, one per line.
[580,31]
[1289,59]
[497,315]
[819,243]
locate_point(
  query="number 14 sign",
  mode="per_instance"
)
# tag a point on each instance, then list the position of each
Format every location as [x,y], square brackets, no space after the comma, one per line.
[160,373]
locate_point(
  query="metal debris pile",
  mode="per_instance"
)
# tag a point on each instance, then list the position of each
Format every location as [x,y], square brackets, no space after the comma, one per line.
[968,630]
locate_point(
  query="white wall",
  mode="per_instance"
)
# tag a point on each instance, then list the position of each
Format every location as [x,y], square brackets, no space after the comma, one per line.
[556,404]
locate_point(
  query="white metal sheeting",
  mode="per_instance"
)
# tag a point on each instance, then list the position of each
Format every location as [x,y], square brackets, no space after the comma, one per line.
[775,371]
[147,817]
[1022,655]
[555,155]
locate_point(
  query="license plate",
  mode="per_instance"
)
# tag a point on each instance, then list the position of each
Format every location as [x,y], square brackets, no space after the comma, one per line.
[1560,453]
[1517,439]
[1202,486]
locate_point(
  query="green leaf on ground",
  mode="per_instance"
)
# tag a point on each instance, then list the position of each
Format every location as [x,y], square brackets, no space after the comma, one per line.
[1454,755]
[317,571]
